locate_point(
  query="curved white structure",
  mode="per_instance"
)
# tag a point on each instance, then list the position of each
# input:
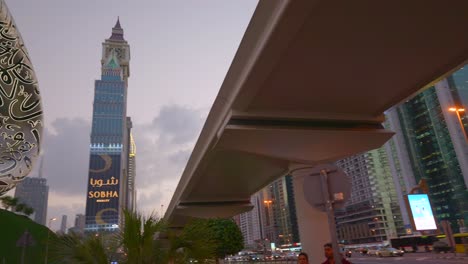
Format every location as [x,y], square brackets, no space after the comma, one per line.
[20,106]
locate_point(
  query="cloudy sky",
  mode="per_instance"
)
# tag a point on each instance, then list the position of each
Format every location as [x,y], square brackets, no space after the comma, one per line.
[180,53]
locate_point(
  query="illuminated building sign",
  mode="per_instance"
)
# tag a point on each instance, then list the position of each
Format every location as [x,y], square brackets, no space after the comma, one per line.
[100,182]
[102,203]
[103,194]
[422,212]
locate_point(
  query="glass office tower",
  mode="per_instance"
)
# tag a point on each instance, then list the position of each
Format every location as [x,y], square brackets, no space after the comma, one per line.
[430,144]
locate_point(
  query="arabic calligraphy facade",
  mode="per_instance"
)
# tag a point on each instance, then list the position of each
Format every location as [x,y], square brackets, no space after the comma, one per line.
[108,172]
[20,106]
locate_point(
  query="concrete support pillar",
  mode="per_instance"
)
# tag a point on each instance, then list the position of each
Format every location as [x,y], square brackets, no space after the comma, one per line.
[313,223]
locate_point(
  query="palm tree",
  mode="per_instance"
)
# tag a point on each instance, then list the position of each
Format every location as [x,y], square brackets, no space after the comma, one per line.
[151,241]
[76,249]
[137,239]
[137,243]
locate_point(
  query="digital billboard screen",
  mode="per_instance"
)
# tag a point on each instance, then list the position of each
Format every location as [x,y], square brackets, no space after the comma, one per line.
[102,201]
[421,211]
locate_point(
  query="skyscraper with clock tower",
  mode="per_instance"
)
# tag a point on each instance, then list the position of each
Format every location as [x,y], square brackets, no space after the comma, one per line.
[110,155]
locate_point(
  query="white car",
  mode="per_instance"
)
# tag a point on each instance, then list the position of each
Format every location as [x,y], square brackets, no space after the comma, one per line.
[372,251]
[389,252]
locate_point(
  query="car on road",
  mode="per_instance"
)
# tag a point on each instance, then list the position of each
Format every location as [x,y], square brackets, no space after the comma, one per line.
[257,257]
[291,255]
[276,256]
[389,252]
[347,252]
[441,246]
[372,251]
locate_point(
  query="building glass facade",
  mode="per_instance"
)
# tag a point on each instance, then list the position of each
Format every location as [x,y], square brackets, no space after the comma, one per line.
[129,187]
[284,211]
[34,192]
[249,224]
[277,210]
[436,147]
[459,88]
[372,213]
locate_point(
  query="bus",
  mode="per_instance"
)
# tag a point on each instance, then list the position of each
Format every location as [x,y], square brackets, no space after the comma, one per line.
[461,242]
[295,247]
[414,243]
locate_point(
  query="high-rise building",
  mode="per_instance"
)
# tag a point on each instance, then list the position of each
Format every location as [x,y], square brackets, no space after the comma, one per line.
[34,192]
[109,149]
[273,218]
[267,217]
[249,224]
[277,212]
[129,190]
[63,225]
[284,211]
[372,214]
[80,222]
[431,144]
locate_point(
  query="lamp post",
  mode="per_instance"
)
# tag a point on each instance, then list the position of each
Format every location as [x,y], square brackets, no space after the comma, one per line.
[47,241]
[458,111]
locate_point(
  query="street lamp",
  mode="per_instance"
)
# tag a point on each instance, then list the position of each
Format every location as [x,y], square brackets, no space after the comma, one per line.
[458,111]
[47,241]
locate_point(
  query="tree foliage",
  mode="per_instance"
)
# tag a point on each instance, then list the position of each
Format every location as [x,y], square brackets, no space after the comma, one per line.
[73,248]
[9,202]
[137,238]
[14,204]
[147,240]
[28,211]
[134,244]
[193,242]
[226,236]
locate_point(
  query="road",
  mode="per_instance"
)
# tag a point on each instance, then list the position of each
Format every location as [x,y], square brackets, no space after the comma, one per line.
[411,258]
[417,258]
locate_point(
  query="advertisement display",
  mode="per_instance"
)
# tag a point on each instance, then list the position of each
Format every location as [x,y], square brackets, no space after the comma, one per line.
[102,201]
[421,211]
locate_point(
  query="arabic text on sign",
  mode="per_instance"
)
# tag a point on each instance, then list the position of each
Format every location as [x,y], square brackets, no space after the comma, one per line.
[99,182]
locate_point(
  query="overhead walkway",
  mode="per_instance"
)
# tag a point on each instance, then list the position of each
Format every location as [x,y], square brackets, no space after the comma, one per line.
[308,85]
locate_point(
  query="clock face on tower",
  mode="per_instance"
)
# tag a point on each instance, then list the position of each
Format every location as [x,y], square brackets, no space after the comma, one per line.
[120,53]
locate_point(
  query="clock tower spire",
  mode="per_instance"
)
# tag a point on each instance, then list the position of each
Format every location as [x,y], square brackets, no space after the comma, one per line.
[118,45]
